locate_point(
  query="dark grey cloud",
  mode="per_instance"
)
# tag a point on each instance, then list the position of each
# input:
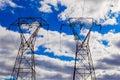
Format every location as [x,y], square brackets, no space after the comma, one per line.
[55,77]
[102,66]
[8,44]
[109,63]
[70,45]
[110,77]
[54,67]
[113,61]
[117,44]
[5,69]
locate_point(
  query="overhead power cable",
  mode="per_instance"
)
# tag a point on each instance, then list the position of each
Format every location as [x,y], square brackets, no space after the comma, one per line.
[83,8]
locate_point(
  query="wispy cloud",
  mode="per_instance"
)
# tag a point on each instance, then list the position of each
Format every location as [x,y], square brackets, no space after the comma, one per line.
[4,3]
[92,8]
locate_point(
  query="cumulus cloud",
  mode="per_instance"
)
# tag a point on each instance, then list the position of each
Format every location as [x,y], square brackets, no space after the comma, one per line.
[105,57]
[52,38]
[9,44]
[113,61]
[8,49]
[110,77]
[90,8]
[54,68]
[46,6]
[51,68]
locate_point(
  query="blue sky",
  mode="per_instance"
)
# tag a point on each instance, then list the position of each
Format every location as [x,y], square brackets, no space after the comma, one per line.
[105,43]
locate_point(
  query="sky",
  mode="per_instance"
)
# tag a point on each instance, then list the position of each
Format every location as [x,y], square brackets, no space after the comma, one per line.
[54,57]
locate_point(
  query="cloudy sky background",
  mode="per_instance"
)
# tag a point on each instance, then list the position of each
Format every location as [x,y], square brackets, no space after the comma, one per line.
[53,62]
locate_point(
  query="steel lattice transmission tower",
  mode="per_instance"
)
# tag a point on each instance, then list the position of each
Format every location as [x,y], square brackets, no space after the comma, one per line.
[83,66]
[24,67]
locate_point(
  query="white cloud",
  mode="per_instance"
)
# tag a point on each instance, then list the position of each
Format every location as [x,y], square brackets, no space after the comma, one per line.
[9,44]
[103,56]
[54,68]
[111,21]
[97,9]
[8,49]
[99,49]
[45,7]
[116,5]
[4,3]
[51,41]
[49,68]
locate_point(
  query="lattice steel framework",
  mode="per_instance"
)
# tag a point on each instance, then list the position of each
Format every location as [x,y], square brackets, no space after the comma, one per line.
[24,67]
[83,66]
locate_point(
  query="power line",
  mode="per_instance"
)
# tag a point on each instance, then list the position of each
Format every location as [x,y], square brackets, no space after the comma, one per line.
[83,8]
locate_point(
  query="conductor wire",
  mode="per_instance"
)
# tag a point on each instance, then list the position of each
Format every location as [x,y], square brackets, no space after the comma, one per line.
[60,39]
[48,39]
[83,8]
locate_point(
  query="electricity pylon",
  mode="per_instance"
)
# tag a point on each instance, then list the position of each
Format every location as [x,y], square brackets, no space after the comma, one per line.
[24,67]
[83,66]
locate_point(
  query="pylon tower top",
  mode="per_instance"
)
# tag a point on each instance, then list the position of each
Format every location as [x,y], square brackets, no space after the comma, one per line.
[24,67]
[83,66]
